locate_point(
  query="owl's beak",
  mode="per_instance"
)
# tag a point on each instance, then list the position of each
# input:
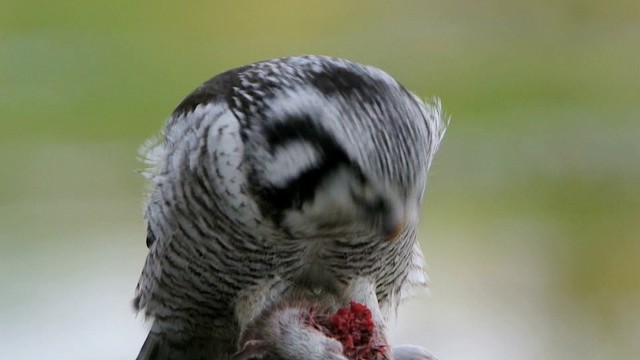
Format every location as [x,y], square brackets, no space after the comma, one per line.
[391,219]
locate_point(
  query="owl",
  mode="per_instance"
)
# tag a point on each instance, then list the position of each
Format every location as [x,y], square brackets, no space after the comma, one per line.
[303,174]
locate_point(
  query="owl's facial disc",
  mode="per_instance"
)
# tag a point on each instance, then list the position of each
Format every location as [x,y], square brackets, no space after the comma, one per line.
[311,194]
[310,187]
[344,202]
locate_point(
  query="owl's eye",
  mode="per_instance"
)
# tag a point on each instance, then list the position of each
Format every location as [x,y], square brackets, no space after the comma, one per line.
[376,206]
[367,198]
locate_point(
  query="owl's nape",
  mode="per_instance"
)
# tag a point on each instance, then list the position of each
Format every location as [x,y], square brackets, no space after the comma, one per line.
[325,151]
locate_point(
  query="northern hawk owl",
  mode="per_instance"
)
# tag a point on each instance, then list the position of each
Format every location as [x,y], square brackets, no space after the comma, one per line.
[299,174]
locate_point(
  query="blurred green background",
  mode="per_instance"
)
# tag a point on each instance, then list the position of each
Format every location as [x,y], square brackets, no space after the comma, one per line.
[531,228]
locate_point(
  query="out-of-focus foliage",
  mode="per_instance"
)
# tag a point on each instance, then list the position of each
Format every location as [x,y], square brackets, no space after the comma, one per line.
[531,228]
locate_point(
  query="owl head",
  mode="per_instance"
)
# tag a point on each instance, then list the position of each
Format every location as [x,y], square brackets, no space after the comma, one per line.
[334,147]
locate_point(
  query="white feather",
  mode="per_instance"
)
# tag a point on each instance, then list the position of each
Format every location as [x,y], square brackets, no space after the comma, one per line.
[289,161]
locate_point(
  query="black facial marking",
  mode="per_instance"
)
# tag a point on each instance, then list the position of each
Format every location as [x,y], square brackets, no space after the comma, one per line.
[302,189]
[151,237]
[302,128]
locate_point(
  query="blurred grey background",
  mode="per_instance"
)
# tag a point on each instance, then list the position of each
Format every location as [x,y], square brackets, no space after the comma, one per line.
[531,222]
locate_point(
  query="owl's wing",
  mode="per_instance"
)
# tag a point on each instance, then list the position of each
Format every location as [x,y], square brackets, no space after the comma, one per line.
[172,159]
[193,167]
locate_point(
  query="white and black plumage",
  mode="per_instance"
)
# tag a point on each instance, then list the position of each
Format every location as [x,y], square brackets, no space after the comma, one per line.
[289,175]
